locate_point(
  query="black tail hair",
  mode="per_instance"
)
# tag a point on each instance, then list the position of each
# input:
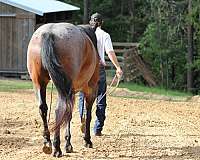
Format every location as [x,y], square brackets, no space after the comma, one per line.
[51,63]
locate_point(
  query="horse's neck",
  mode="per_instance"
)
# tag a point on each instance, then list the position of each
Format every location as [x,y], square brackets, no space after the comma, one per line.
[90,33]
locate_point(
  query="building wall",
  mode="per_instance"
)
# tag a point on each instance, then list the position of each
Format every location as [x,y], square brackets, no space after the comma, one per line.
[16,29]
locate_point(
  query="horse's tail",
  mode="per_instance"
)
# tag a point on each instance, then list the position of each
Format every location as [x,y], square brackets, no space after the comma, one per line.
[60,79]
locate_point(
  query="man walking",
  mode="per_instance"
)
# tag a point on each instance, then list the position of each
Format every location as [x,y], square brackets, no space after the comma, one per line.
[104,45]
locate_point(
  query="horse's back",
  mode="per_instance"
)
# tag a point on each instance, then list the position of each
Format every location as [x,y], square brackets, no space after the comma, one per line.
[66,32]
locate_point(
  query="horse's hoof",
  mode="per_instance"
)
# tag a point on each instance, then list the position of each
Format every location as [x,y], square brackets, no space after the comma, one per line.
[47,149]
[88,145]
[69,149]
[57,153]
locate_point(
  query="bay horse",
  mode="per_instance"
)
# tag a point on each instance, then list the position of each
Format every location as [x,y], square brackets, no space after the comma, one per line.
[63,53]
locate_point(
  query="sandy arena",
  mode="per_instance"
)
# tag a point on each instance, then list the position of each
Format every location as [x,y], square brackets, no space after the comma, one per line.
[134,129]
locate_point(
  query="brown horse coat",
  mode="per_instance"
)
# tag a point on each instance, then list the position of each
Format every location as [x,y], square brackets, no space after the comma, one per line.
[76,64]
[64,53]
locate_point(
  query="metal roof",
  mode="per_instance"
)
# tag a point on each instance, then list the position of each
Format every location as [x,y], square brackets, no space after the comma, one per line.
[40,6]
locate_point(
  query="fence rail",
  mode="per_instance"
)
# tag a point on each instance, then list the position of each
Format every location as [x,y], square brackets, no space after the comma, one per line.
[120,48]
[131,62]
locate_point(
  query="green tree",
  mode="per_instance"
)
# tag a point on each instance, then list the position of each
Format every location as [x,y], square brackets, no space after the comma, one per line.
[163,43]
[124,20]
[169,34]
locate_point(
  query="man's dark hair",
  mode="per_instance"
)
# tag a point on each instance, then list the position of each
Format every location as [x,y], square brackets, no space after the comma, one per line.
[96,20]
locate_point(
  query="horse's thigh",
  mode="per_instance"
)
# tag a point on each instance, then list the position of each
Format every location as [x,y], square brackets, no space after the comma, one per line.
[39,76]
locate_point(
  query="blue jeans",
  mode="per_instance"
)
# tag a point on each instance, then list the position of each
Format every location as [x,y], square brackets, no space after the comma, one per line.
[101,105]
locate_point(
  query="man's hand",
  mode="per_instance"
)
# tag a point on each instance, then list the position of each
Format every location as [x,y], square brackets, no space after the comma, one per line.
[119,72]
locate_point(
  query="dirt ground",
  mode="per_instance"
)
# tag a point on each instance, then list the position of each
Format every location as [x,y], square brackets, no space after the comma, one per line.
[134,129]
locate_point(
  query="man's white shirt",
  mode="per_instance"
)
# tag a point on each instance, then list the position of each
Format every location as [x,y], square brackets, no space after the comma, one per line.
[104,43]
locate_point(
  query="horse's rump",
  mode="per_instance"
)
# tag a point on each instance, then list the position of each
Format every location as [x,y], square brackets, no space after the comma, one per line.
[73,49]
[64,53]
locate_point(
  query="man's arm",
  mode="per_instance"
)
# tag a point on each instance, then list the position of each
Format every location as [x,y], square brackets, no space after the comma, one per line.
[113,58]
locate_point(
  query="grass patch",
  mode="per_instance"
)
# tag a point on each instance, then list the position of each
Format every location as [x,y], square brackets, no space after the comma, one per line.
[9,85]
[155,90]
[12,85]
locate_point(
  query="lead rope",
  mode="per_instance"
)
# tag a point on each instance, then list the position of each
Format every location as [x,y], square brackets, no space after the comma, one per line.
[111,91]
[50,103]
[108,93]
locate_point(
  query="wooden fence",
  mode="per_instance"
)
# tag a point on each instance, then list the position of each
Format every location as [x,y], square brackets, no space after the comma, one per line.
[131,62]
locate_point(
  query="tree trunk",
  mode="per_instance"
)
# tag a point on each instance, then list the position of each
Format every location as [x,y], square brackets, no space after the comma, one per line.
[86,11]
[189,56]
[131,8]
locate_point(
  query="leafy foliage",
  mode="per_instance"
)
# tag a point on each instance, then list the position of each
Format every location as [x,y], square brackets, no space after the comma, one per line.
[161,29]
[124,20]
[163,43]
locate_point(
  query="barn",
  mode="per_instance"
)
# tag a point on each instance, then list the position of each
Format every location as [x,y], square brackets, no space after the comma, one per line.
[18,20]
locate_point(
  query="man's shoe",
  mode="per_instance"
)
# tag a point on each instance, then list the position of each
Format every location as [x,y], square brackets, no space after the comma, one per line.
[98,134]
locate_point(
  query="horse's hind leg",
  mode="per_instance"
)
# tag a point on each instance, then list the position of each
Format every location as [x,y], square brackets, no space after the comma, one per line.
[61,116]
[41,92]
[90,98]
[58,113]
[40,80]
[68,146]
